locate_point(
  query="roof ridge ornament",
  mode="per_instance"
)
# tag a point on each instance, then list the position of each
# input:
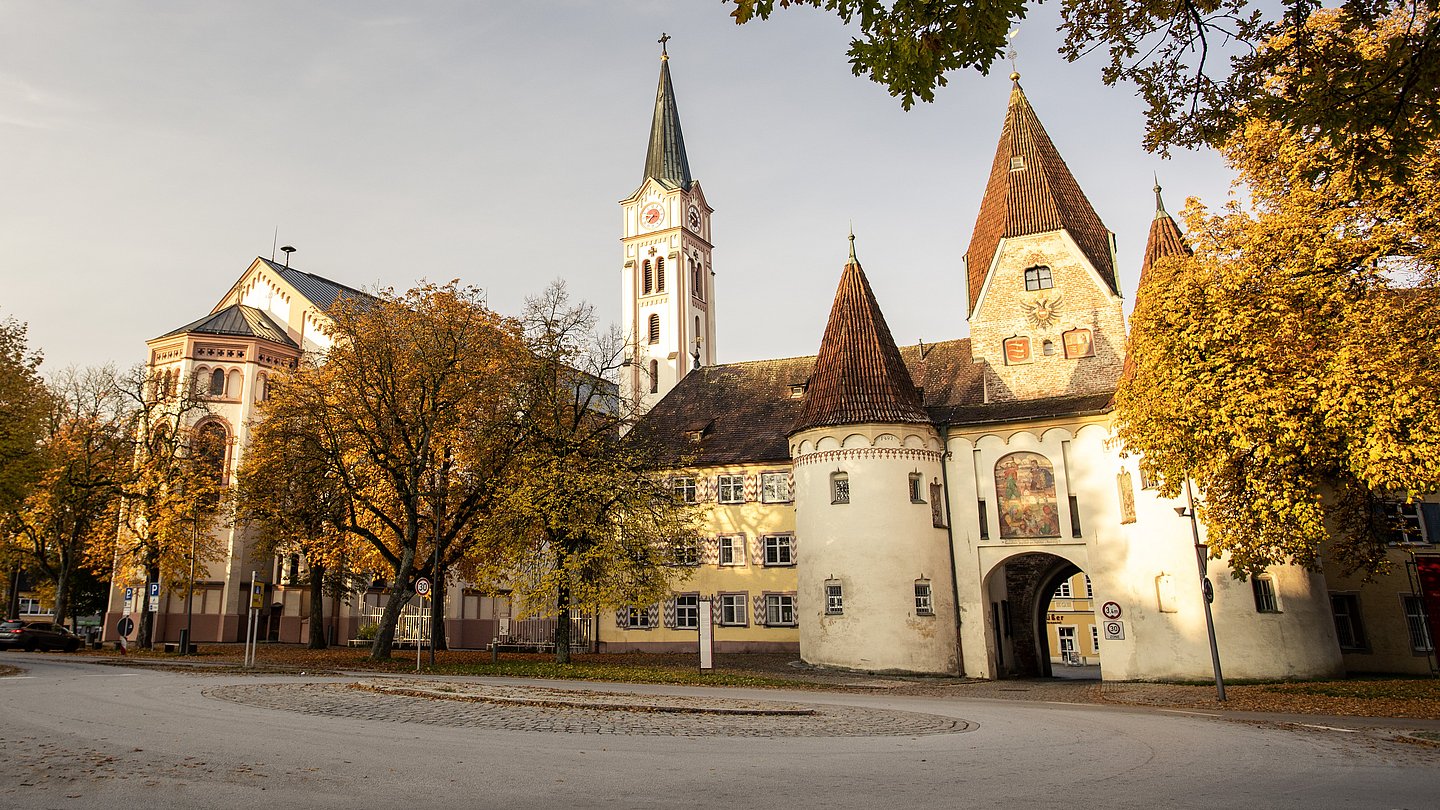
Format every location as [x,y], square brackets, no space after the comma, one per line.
[1159,203]
[1011,54]
[664,51]
[853,260]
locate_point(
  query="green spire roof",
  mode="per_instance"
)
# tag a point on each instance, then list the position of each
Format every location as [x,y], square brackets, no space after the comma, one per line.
[665,161]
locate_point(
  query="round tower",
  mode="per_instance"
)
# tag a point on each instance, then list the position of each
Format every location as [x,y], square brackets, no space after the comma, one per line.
[874,585]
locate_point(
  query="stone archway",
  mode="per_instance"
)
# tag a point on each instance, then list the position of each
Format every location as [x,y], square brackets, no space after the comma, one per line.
[1020,591]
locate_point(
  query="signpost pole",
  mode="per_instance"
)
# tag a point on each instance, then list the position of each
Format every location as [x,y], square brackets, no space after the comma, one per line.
[1202,554]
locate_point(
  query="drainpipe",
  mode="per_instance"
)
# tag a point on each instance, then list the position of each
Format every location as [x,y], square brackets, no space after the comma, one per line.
[950,545]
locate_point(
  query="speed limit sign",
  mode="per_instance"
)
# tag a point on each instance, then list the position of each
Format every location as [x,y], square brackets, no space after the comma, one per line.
[422,587]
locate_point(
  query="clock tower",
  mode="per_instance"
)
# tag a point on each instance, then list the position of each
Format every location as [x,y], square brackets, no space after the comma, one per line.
[666,280]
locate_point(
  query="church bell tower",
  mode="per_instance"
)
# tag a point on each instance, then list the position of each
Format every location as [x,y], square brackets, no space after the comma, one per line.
[667,281]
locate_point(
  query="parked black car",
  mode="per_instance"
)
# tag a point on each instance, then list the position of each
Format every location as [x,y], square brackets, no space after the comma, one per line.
[32,636]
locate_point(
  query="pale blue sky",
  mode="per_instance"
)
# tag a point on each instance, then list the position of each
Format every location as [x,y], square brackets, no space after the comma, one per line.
[149,151]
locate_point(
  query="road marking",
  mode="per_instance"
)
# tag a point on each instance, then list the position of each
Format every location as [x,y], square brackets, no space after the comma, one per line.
[116,675]
[18,678]
[1197,714]
[1330,728]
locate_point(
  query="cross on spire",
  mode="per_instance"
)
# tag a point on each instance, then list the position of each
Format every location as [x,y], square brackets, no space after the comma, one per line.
[664,51]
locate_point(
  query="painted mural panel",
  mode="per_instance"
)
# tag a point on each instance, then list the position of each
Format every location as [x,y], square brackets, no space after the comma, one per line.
[1025,490]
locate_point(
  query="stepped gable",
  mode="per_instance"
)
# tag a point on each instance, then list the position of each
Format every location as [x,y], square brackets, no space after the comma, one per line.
[1040,197]
[859,377]
[665,160]
[237,320]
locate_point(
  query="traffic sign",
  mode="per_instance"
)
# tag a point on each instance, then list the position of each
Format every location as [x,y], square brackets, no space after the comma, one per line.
[1110,610]
[125,627]
[1114,631]
[154,591]
[422,587]
[257,595]
[1209,591]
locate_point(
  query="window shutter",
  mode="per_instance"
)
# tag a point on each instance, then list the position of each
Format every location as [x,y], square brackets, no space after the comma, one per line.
[715,610]
[622,618]
[759,602]
[1430,514]
[757,550]
[794,549]
[704,488]
[752,486]
[670,613]
[710,550]
[654,611]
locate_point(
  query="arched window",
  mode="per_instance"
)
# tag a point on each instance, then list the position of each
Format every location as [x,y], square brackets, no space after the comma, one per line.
[262,388]
[697,278]
[654,376]
[654,329]
[234,386]
[1038,278]
[647,277]
[839,487]
[1025,492]
[1047,347]
[210,444]
[660,274]
[217,382]
[166,381]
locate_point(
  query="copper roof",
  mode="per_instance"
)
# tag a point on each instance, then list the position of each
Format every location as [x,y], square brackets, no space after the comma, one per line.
[665,160]
[1040,197]
[743,413]
[237,320]
[859,377]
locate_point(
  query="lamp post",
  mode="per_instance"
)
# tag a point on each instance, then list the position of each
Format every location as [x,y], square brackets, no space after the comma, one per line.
[1202,558]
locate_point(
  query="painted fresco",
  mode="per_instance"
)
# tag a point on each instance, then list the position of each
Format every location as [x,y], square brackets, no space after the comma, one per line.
[1025,490]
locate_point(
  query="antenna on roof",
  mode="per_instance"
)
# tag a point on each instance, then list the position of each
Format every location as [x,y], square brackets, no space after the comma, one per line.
[274,240]
[287,250]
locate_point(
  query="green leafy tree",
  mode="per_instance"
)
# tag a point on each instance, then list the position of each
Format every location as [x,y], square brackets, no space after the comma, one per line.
[1288,367]
[1200,65]
[588,517]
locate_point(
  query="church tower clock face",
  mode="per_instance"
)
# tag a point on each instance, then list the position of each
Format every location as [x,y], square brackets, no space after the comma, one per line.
[652,215]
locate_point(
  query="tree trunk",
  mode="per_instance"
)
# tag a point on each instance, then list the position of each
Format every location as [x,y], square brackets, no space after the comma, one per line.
[437,611]
[146,639]
[62,589]
[562,625]
[400,593]
[317,607]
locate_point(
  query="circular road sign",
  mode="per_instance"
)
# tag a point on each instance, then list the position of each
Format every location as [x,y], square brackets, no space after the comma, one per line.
[1209,591]
[1110,610]
[422,586]
[126,626]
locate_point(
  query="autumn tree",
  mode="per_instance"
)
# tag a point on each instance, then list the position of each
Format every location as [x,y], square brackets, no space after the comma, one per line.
[22,412]
[410,409]
[589,516]
[82,461]
[172,493]
[1200,65]
[287,494]
[1288,367]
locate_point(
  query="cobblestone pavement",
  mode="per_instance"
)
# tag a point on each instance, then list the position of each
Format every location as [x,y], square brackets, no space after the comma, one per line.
[596,713]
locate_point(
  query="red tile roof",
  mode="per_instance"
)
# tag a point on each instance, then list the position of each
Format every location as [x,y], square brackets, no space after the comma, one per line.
[1043,196]
[859,377]
[1165,240]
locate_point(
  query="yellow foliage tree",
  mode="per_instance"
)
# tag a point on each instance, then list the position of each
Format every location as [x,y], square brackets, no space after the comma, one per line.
[1288,367]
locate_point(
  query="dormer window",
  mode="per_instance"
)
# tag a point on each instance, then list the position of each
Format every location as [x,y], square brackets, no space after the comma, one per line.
[1038,278]
[797,390]
[1017,163]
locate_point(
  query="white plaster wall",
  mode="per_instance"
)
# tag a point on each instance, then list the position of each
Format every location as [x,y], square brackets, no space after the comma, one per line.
[1123,561]
[877,546]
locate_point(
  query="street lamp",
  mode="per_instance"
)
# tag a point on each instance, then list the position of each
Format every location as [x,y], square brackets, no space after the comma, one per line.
[1207,592]
[190,586]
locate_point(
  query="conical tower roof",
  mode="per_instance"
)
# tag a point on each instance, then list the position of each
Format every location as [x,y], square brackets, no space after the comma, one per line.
[665,160]
[1165,239]
[859,377]
[1031,190]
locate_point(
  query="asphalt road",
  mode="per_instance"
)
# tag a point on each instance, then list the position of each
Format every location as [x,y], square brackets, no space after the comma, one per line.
[77,734]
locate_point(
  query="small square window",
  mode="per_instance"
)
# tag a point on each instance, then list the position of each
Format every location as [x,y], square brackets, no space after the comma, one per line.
[775,487]
[839,487]
[732,550]
[1017,163]
[687,611]
[779,549]
[733,609]
[924,600]
[731,488]
[1264,589]
[684,488]
[834,599]
[779,609]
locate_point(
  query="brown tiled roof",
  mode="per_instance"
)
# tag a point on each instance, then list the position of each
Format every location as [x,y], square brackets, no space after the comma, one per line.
[744,412]
[859,377]
[1165,240]
[1041,197]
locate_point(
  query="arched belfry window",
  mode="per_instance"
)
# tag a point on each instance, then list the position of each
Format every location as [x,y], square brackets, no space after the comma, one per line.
[647,277]
[654,376]
[211,440]
[697,278]
[654,329]
[1025,491]
[660,274]
[217,382]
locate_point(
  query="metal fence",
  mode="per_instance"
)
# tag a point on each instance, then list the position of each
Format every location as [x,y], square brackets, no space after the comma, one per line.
[540,633]
[413,626]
